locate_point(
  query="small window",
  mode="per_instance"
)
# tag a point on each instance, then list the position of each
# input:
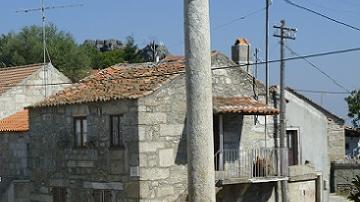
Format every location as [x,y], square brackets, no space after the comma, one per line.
[102,196]
[116,136]
[81,131]
[347,146]
[59,194]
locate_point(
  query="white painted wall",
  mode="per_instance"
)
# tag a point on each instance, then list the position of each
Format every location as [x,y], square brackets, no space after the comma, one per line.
[312,125]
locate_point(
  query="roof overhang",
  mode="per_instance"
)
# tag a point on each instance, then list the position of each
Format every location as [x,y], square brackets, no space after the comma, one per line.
[242,105]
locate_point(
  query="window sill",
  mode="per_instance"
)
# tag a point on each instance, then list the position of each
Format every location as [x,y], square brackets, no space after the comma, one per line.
[117,147]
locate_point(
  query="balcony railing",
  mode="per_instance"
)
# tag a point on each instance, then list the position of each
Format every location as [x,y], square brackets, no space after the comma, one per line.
[247,164]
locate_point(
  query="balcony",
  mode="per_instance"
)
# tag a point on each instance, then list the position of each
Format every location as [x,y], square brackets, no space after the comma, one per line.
[255,165]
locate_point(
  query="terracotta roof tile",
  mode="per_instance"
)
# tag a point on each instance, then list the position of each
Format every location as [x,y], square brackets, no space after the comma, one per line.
[123,81]
[242,105]
[18,122]
[12,76]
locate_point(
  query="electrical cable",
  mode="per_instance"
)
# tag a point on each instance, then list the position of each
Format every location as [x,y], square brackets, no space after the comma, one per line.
[319,69]
[237,19]
[322,92]
[322,15]
[221,67]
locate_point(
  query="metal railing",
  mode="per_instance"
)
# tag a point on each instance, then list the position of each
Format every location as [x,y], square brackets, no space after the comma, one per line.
[246,163]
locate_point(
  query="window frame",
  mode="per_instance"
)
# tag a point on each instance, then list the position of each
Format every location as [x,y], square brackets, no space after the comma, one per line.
[297,140]
[82,143]
[59,194]
[120,137]
[102,195]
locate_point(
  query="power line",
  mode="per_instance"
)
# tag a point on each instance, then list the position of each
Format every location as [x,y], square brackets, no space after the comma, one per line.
[238,19]
[322,92]
[217,68]
[319,69]
[226,24]
[322,15]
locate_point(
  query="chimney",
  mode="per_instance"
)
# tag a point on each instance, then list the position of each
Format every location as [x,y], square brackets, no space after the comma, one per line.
[241,54]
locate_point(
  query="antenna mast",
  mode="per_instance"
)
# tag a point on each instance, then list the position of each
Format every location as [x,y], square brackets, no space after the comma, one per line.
[44,46]
[43,18]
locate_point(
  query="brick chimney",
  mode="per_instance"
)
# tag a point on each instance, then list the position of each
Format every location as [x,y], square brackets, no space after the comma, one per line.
[241,54]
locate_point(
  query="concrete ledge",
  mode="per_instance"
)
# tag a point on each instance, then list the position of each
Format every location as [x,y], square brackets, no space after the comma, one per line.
[103,185]
[251,180]
[305,177]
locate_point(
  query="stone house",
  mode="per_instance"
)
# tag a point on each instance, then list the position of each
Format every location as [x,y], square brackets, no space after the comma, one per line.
[20,87]
[315,135]
[120,135]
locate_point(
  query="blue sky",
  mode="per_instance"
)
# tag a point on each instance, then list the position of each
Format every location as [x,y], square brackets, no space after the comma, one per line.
[162,20]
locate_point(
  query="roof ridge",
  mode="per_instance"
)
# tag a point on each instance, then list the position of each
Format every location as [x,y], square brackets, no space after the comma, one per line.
[22,66]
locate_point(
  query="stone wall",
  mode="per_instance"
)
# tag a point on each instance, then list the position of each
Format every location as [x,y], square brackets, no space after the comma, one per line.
[13,163]
[55,161]
[342,173]
[31,90]
[13,155]
[336,140]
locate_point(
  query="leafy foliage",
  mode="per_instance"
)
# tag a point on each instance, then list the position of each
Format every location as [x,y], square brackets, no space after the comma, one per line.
[26,47]
[75,61]
[354,107]
[355,192]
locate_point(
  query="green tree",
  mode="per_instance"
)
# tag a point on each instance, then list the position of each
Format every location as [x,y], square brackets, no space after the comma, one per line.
[131,51]
[25,47]
[355,192]
[353,102]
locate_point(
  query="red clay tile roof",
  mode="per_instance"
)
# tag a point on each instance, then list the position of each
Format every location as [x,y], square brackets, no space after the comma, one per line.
[18,122]
[242,105]
[123,81]
[12,76]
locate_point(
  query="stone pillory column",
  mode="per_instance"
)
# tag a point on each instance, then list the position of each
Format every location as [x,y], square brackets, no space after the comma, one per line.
[201,184]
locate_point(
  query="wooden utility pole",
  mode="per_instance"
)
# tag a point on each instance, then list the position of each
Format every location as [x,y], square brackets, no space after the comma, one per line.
[285,33]
[200,144]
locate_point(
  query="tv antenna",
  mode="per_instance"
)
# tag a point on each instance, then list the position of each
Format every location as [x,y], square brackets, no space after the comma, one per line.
[43,18]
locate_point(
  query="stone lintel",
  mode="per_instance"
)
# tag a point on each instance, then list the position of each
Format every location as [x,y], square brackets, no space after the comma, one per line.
[103,185]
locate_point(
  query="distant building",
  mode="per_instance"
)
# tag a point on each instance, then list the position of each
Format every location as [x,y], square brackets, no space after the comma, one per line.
[352,142]
[315,135]
[20,87]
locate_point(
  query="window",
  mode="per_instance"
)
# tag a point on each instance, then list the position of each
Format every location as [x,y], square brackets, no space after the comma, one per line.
[292,139]
[102,196]
[80,125]
[116,138]
[59,194]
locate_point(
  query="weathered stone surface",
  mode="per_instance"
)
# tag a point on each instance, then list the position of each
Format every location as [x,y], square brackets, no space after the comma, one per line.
[165,190]
[154,173]
[166,157]
[150,146]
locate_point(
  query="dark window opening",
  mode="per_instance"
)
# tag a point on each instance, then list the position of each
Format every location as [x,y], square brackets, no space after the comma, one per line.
[102,196]
[292,140]
[116,134]
[81,131]
[59,194]
[347,146]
